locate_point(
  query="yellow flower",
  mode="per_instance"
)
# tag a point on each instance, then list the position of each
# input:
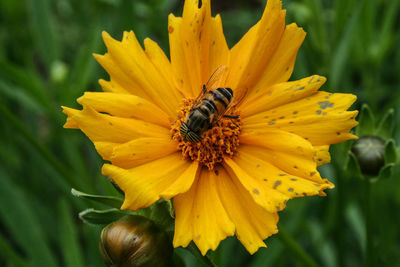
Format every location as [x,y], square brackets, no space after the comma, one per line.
[245,169]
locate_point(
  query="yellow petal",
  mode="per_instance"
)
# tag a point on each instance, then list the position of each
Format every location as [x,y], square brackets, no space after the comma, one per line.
[280,67]
[200,215]
[112,87]
[278,140]
[279,143]
[320,118]
[177,55]
[182,184]
[251,54]
[142,150]
[198,46]
[293,164]
[219,54]
[120,80]
[265,196]
[265,172]
[160,61]
[130,66]
[106,128]
[253,223]
[191,32]
[127,106]
[280,94]
[144,184]
[105,149]
[322,157]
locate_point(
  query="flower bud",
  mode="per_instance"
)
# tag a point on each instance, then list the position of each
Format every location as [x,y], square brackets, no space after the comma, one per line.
[369,151]
[135,241]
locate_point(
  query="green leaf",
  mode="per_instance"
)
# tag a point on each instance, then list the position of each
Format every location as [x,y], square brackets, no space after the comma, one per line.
[37,145]
[341,54]
[386,125]
[355,221]
[111,201]
[30,84]
[42,26]
[352,166]
[83,68]
[162,214]
[390,152]
[8,252]
[317,28]
[102,217]
[18,217]
[20,96]
[69,239]
[386,171]
[342,10]
[388,31]
[366,122]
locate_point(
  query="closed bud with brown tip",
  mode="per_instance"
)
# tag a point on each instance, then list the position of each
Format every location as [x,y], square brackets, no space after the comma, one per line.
[135,241]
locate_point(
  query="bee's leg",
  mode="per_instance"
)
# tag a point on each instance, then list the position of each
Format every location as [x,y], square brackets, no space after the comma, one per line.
[204,89]
[231,116]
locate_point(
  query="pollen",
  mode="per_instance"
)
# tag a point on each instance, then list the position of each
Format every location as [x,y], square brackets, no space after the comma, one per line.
[221,141]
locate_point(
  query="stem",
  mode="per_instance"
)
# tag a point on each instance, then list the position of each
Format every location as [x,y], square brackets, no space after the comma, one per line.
[339,222]
[295,248]
[204,259]
[368,224]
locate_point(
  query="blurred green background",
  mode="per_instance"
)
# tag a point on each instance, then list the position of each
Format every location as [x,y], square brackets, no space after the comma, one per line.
[46,61]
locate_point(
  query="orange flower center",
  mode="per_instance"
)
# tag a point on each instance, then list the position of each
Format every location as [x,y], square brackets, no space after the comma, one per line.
[220,141]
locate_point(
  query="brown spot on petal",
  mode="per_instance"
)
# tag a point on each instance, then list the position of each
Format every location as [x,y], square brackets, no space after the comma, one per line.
[277,183]
[255,191]
[170,29]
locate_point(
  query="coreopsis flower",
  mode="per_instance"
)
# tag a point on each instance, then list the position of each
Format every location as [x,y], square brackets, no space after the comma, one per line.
[236,179]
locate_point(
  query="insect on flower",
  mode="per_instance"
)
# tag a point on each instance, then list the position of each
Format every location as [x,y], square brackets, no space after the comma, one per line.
[210,106]
[177,128]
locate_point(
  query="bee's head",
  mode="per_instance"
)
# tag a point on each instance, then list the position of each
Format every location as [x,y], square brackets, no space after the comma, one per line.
[188,134]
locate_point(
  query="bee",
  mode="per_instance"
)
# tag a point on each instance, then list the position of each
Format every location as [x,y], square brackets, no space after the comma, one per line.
[208,108]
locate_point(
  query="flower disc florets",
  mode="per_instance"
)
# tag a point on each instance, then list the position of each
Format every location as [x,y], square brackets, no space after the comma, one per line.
[222,140]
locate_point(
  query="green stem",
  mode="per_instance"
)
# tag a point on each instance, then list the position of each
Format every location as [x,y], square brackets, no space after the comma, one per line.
[12,119]
[340,221]
[204,259]
[369,259]
[295,248]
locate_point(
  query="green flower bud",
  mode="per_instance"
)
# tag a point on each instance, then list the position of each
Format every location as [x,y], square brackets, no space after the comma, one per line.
[369,151]
[135,241]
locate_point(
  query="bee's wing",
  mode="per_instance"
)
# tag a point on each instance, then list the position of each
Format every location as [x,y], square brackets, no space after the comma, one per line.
[217,78]
[197,100]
